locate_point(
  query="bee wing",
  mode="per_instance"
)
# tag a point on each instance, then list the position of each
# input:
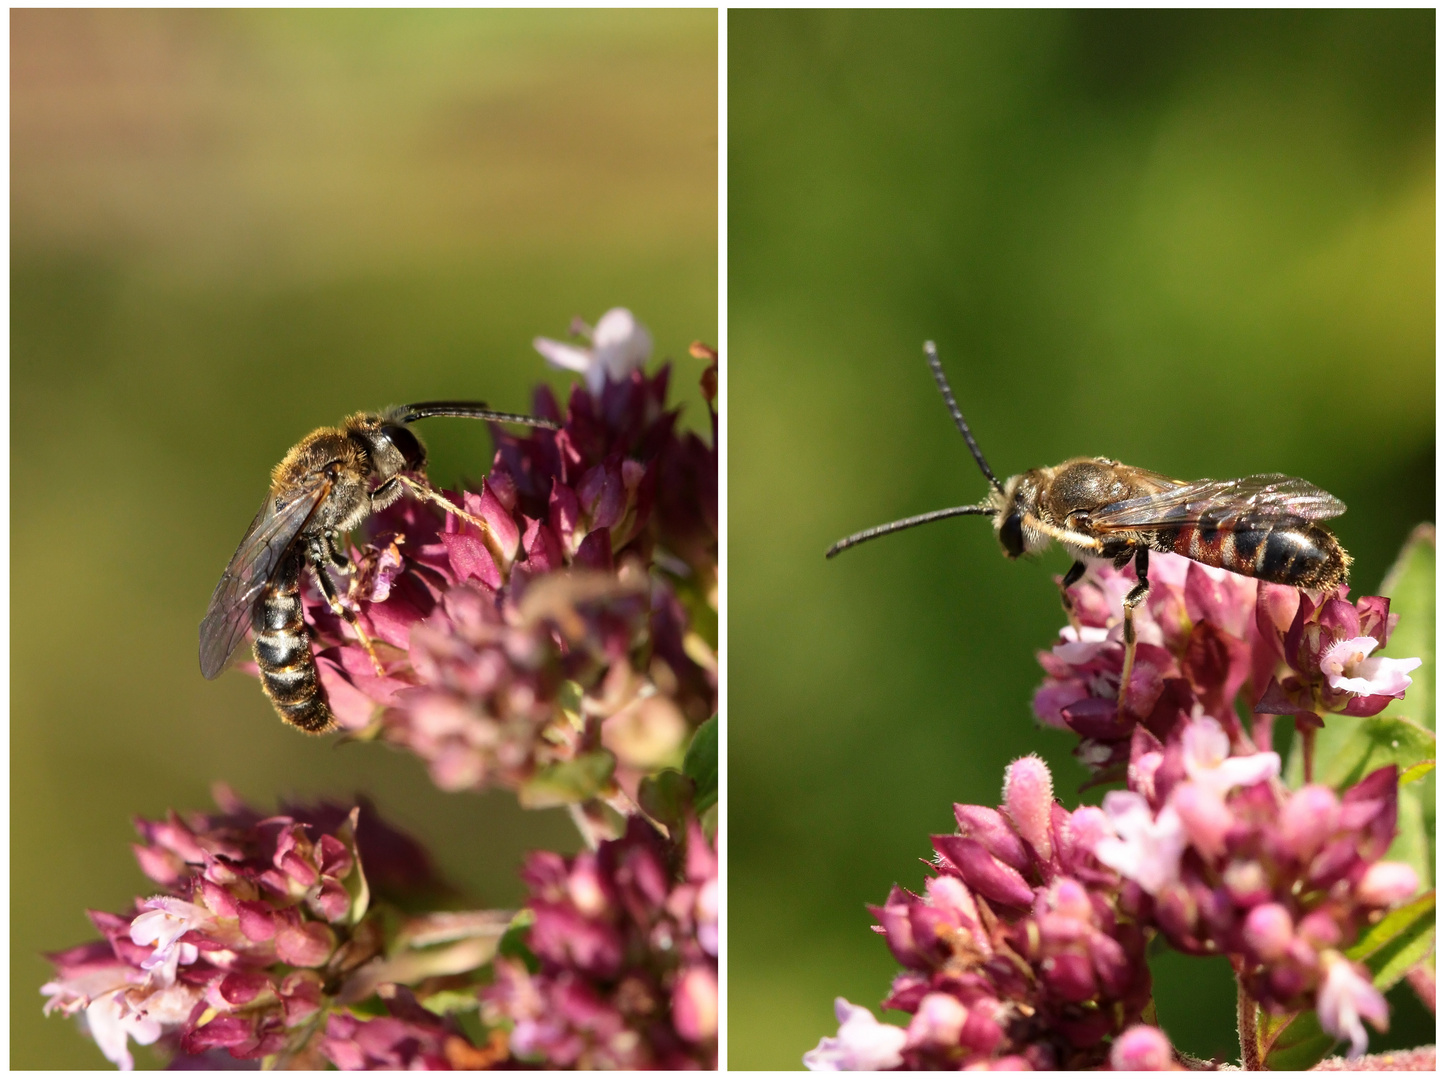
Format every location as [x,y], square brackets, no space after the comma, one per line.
[253,565]
[1272,494]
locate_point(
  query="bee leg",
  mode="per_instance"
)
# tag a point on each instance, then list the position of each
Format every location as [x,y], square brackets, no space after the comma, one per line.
[1136,596]
[1072,577]
[425,491]
[338,556]
[322,551]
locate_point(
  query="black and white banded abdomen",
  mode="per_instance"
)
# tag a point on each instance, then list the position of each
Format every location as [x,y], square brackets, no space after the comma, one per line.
[282,648]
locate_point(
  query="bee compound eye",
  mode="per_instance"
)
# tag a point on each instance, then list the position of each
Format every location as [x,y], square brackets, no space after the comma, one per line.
[1011,535]
[406,443]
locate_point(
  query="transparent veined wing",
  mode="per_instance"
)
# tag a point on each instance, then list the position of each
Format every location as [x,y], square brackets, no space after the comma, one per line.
[1270,494]
[253,565]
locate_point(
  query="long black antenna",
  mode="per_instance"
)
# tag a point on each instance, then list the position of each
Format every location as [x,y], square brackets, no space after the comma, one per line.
[906,523]
[475,410]
[937,366]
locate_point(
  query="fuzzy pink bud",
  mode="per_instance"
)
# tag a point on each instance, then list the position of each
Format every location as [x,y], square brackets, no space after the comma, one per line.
[1268,931]
[1307,820]
[694,1004]
[938,1022]
[1387,883]
[1028,796]
[1141,1049]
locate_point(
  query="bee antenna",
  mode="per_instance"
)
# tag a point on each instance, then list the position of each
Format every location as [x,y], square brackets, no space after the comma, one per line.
[475,410]
[937,366]
[907,523]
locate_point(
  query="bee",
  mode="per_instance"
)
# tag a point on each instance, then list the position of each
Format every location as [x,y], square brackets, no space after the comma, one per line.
[1099,510]
[328,484]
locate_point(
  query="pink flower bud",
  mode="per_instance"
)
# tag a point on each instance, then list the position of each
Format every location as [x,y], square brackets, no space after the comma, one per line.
[1320,929]
[1247,882]
[1387,883]
[983,873]
[258,921]
[1141,1049]
[1307,820]
[305,944]
[1268,931]
[1070,976]
[694,1004]
[1028,796]
[938,1022]
[991,829]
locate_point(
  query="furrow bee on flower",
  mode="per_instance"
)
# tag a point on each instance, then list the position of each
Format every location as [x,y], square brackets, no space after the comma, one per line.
[328,484]
[1099,510]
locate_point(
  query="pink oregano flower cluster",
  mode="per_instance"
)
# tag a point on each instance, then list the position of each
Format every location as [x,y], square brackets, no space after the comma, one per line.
[1026,949]
[1222,859]
[309,938]
[562,640]
[1018,954]
[262,920]
[1205,637]
[626,939]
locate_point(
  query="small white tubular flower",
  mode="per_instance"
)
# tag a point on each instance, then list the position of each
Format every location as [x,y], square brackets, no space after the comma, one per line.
[862,1044]
[1348,666]
[161,924]
[111,1025]
[1347,999]
[620,345]
[1206,759]
[1143,849]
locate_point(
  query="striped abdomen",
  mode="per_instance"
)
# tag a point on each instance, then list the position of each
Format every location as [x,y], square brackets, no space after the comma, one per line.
[283,653]
[1283,549]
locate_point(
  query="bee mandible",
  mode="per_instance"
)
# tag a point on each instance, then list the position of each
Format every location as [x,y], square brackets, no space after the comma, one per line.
[328,484]
[1099,510]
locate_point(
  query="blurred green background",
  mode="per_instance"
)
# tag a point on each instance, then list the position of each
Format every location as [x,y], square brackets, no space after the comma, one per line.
[227,229]
[1201,243]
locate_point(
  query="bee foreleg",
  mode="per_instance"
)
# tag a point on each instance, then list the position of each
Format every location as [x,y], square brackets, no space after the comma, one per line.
[1072,577]
[425,491]
[337,554]
[1136,596]
[1067,537]
[322,550]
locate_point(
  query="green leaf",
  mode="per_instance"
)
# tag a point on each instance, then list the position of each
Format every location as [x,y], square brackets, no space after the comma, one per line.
[1300,1043]
[1409,585]
[1397,942]
[1416,772]
[667,797]
[355,882]
[444,1002]
[701,765]
[1359,745]
[513,943]
[567,781]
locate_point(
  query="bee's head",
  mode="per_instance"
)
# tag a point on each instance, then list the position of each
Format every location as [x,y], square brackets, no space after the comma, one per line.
[1017,499]
[392,445]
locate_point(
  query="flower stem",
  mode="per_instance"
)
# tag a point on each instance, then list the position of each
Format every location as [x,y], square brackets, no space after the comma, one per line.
[1248,1028]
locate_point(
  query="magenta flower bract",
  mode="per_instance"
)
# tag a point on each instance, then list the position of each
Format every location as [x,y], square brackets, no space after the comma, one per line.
[626,937]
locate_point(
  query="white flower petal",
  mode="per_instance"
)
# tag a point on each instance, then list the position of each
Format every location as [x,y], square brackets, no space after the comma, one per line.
[1345,997]
[561,355]
[862,1043]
